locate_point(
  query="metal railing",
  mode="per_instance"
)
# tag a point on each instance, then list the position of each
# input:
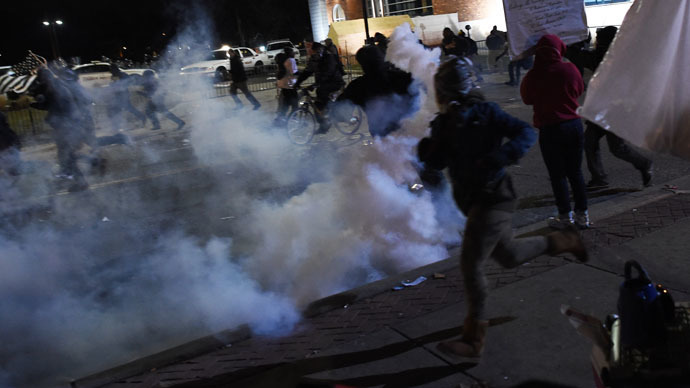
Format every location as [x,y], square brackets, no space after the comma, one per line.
[30,122]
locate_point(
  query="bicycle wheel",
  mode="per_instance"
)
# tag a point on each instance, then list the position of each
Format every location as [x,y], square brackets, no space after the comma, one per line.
[301,126]
[347,118]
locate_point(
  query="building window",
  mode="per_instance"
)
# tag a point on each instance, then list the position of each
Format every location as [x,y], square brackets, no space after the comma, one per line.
[601,2]
[338,13]
[409,7]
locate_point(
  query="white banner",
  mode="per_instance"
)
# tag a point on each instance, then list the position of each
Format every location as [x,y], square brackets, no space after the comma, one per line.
[529,20]
[641,90]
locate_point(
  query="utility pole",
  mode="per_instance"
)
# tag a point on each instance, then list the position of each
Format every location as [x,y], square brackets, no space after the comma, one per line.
[366,21]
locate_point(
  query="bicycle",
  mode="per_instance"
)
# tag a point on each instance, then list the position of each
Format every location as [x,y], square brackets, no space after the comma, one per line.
[302,124]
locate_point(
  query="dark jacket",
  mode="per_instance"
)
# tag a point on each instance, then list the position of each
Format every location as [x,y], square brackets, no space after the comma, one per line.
[54,97]
[552,86]
[237,69]
[455,45]
[325,69]
[387,97]
[495,41]
[469,142]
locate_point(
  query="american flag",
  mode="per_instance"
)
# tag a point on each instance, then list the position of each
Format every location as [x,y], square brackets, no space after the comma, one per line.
[28,65]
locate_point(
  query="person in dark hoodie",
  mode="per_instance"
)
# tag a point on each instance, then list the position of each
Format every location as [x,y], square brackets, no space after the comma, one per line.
[552,87]
[467,138]
[239,81]
[593,133]
[53,96]
[453,44]
[386,93]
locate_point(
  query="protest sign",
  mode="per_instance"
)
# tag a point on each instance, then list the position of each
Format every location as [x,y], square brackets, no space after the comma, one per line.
[641,90]
[529,20]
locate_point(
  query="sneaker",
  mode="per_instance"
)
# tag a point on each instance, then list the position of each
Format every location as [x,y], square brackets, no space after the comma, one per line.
[596,184]
[582,220]
[647,176]
[181,125]
[562,221]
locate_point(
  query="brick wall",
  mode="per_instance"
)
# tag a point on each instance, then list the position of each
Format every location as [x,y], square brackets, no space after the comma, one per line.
[353,9]
[466,9]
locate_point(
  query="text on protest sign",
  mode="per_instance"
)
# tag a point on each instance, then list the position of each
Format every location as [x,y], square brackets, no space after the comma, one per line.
[529,20]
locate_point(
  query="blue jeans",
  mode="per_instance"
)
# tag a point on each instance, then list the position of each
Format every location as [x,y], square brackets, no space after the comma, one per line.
[561,147]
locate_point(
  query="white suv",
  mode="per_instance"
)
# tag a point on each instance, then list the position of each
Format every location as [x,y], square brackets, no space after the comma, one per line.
[275,47]
[217,64]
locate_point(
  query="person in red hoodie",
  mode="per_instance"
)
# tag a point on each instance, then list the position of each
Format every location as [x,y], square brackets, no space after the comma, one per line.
[552,87]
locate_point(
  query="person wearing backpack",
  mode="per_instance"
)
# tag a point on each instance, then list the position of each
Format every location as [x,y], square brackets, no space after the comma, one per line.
[495,42]
[286,76]
[467,137]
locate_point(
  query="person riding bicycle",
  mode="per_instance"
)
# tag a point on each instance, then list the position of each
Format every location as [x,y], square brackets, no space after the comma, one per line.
[328,79]
[386,93]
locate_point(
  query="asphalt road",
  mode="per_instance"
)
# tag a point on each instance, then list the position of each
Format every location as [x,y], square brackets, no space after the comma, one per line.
[173,189]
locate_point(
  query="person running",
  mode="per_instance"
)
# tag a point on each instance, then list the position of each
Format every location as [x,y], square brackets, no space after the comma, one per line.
[327,79]
[593,132]
[467,138]
[239,81]
[386,93]
[53,96]
[552,87]
[155,102]
[120,98]
[287,77]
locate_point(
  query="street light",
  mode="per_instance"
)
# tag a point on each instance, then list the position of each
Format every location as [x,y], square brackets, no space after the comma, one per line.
[53,36]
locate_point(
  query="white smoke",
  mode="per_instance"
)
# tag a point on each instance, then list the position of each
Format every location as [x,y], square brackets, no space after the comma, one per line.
[80,294]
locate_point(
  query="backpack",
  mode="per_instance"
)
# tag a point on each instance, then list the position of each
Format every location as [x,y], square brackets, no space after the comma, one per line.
[280,61]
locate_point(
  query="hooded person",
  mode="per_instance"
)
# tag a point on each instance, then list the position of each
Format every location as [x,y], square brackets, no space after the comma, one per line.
[386,93]
[63,116]
[593,133]
[467,138]
[453,44]
[552,87]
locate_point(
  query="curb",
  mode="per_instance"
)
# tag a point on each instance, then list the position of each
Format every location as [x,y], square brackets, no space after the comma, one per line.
[213,342]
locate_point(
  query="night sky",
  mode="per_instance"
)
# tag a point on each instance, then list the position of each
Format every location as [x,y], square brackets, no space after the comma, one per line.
[94,28]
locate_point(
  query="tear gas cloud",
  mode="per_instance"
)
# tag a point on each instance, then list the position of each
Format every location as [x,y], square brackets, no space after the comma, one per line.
[80,295]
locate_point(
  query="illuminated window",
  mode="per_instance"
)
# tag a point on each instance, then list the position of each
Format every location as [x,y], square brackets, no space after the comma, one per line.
[409,7]
[338,13]
[376,8]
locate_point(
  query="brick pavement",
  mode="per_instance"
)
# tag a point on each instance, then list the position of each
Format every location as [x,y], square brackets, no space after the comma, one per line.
[349,322]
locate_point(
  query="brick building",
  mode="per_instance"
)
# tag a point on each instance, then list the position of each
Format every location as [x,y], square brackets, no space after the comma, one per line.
[326,12]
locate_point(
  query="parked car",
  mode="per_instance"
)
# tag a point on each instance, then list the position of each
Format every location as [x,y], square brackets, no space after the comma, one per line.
[275,47]
[217,64]
[97,74]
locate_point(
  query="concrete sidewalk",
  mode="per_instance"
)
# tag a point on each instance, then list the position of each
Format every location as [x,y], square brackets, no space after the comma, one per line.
[377,336]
